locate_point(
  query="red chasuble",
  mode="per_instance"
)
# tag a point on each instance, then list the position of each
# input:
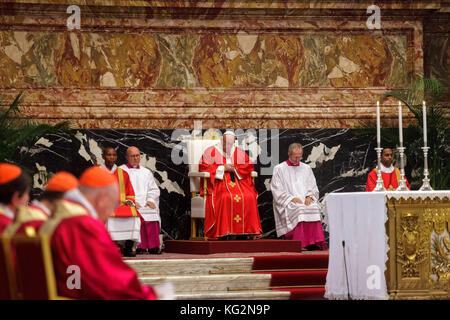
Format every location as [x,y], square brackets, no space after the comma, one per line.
[390,180]
[231,207]
[126,193]
[78,239]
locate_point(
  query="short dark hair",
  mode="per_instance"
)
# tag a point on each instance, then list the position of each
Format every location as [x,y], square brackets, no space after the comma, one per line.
[52,195]
[20,185]
[106,148]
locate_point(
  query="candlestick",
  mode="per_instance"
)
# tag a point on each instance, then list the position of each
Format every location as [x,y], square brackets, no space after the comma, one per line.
[424,111]
[400,126]
[402,183]
[426,186]
[380,184]
[378,125]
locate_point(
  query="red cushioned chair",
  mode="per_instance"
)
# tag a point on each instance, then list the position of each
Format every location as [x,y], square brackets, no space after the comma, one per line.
[34,266]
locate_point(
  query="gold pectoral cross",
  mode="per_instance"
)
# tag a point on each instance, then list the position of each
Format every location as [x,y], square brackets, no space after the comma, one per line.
[237,218]
[237,198]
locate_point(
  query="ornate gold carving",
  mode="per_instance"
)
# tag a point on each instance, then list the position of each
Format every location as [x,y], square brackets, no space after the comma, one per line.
[411,251]
[419,248]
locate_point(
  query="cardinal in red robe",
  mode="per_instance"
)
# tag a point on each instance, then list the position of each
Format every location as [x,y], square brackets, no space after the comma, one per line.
[389,173]
[78,237]
[231,207]
[38,211]
[14,192]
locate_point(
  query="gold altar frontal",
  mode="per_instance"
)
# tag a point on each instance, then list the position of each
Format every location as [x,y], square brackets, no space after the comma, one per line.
[418,266]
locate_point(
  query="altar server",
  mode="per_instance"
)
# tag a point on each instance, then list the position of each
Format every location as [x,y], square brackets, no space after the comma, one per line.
[295,201]
[389,173]
[124,225]
[146,200]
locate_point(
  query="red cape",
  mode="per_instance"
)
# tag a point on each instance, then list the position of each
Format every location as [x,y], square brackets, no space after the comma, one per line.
[83,241]
[231,207]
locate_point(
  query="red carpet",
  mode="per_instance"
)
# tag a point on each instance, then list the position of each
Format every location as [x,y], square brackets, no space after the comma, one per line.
[300,274]
[216,246]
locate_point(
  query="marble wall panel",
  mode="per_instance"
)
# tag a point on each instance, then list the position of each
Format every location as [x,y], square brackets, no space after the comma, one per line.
[126,71]
[339,158]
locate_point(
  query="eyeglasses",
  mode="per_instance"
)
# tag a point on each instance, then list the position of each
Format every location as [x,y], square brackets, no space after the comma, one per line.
[134,156]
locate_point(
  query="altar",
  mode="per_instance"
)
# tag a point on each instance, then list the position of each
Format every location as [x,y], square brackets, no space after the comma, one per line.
[388,245]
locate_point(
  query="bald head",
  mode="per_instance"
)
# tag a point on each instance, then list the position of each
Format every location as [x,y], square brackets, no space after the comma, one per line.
[133,156]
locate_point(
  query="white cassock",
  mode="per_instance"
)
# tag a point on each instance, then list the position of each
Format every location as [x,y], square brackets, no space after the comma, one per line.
[124,228]
[145,189]
[289,182]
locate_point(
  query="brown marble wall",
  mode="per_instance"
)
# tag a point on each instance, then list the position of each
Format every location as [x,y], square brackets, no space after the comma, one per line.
[249,64]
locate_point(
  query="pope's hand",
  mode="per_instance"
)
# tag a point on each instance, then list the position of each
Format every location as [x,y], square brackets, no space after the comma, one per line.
[150,204]
[229,167]
[297,200]
[138,206]
[308,201]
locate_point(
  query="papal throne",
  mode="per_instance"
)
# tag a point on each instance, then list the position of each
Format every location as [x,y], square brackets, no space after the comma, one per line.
[195,149]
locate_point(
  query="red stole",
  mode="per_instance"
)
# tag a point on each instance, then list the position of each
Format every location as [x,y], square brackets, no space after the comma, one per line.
[126,193]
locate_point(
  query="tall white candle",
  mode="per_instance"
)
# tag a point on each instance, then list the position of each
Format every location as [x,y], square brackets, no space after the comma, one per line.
[400,126]
[378,125]
[424,110]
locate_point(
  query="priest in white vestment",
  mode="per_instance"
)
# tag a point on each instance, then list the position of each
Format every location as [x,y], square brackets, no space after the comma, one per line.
[295,201]
[146,199]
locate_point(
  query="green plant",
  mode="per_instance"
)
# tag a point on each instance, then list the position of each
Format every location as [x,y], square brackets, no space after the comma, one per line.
[17,132]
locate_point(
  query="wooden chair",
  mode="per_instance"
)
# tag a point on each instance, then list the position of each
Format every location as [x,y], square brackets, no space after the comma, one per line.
[8,289]
[33,266]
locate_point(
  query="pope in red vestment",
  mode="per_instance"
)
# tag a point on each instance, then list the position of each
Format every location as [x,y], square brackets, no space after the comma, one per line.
[231,207]
[79,238]
[389,173]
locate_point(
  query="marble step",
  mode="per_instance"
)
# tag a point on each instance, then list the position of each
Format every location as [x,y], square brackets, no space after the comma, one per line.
[210,283]
[153,267]
[235,295]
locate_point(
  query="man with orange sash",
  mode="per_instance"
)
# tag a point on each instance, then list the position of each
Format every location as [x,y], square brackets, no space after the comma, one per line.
[14,192]
[389,173]
[78,237]
[39,211]
[231,207]
[124,225]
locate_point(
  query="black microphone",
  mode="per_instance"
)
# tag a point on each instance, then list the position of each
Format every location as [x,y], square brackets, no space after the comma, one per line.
[231,175]
[346,275]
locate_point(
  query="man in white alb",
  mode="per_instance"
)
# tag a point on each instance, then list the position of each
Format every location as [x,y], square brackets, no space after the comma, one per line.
[146,200]
[295,201]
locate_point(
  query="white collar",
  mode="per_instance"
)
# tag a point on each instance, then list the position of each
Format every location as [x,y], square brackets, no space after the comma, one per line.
[113,169]
[386,170]
[42,206]
[7,210]
[77,196]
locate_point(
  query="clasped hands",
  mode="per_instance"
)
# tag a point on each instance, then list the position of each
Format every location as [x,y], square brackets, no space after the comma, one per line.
[228,167]
[148,204]
[308,200]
